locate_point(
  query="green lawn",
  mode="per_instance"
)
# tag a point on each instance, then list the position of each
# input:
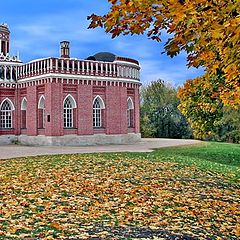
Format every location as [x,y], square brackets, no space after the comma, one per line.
[191,192]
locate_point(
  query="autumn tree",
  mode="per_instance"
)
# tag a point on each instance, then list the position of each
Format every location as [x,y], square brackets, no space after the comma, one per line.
[199,103]
[160,116]
[207,30]
[208,117]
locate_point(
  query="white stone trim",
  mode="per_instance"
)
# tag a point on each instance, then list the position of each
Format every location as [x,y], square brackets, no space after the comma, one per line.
[76,140]
[102,104]
[40,104]
[126,63]
[24,101]
[132,104]
[80,77]
[73,101]
[10,102]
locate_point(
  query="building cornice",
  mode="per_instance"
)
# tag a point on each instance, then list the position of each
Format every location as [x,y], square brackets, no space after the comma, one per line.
[78,77]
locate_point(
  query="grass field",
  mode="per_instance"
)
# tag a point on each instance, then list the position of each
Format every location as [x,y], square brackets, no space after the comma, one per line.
[187,192]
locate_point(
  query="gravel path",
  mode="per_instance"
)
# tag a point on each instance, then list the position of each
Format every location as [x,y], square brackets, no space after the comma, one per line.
[146,145]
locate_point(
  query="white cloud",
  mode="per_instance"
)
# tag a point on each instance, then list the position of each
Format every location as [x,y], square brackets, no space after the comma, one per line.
[39,36]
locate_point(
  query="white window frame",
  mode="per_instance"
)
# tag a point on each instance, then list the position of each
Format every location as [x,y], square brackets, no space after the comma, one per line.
[98,106]
[68,116]
[41,105]
[23,109]
[6,116]
[24,104]
[130,107]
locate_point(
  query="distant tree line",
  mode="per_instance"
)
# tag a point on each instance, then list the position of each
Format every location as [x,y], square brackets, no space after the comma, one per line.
[161,117]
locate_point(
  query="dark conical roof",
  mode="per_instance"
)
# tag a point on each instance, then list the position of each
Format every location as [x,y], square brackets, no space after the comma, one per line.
[105,57]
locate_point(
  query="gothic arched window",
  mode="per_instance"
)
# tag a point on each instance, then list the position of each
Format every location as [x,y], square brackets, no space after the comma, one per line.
[23,113]
[68,111]
[98,106]
[130,108]
[41,112]
[6,110]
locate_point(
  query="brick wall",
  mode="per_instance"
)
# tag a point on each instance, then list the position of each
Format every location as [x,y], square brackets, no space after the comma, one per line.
[114,115]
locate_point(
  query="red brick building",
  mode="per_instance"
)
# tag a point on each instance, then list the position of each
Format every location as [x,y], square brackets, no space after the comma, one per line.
[68,101]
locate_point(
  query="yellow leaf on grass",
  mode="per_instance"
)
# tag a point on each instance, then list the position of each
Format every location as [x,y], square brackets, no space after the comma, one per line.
[55,225]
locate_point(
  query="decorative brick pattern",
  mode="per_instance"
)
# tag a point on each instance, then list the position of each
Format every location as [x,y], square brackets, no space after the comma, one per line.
[56,78]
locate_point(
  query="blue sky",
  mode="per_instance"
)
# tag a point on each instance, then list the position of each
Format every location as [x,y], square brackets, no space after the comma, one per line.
[37,27]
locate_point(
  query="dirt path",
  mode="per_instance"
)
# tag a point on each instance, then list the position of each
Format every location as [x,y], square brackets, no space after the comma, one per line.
[146,145]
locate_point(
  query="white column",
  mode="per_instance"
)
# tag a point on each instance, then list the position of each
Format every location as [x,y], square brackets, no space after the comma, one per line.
[56,62]
[51,64]
[73,65]
[47,64]
[118,71]
[87,67]
[20,71]
[91,67]
[101,68]
[11,73]
[114,70]
[96,65]
[67,65]
[106,68]
[122,71]
[83,67]
[78,66]
[41,66]
[15,72]
[38,67]
[5,73]
[44,65]
[110,68]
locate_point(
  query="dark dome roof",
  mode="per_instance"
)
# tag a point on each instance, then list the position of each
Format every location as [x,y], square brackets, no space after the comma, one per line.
[91,58]
[105,57]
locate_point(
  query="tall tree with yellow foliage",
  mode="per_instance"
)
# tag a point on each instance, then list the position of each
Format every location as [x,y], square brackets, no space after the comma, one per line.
[207,30]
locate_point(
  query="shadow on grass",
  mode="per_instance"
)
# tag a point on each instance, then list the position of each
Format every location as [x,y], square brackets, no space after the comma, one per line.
[134,233]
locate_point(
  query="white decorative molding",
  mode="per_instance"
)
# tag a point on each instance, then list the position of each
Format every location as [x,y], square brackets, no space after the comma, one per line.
[72,100]
[130,103]
[41,102]
[9,101]
[24,104]
[102,104]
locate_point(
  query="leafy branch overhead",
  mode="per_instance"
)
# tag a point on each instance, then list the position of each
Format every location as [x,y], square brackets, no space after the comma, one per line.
[208,30]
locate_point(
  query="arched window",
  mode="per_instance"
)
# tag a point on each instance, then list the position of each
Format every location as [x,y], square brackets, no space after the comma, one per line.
[68,111]
[98,106]
[41,112]
[6,109]
[130,108]
[23,112]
